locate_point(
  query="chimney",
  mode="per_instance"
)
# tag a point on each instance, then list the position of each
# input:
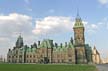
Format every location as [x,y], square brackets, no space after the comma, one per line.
[61,45]
[71,40]
[56,45]
[38,43]
[65,44]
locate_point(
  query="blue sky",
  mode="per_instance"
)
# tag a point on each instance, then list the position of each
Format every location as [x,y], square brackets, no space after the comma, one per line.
[39,19]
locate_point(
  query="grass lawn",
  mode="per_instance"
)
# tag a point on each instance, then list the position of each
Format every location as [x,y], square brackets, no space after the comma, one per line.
[46,67]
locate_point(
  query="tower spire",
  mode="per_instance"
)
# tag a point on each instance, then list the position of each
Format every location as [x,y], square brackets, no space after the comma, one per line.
[77,12]
[78,16]
[78,21]
[19,42]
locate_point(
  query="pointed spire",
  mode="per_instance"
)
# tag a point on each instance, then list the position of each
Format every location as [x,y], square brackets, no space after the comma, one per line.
[19,42]
[78,21]
[78,16]
[71,40]
[77,12]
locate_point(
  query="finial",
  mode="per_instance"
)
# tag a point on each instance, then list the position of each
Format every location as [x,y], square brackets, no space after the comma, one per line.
[78,13]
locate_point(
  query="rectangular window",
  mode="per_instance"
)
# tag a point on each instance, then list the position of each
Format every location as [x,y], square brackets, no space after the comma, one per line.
[69,55]
[70,60]
[20,56]
[30,56]
[34,56]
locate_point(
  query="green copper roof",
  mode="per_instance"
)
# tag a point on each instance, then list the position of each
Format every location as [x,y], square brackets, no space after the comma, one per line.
[63,48]
[19,42]
[46,43]
[59,49]
[78,22]
[31,50]
[70,45]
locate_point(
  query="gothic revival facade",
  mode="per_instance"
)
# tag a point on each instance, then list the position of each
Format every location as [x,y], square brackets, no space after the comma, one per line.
[96,56]
[74,52]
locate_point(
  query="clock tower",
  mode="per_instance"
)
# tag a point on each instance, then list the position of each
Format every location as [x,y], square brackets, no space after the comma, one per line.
[79,41]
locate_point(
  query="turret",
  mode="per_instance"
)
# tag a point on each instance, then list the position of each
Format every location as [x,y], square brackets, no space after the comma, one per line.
[56,45]
[35,45]
[38,43]
[19,42]
[61,45]
[71,40]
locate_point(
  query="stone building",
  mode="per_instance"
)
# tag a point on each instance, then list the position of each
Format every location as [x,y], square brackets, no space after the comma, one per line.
[96,56]
[73,52]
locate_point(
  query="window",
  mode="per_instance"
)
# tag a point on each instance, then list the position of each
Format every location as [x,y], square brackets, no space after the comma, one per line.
[9,56]
[30,61]
[27,61]
[34,61]
[12,56]
[58,56]
[9,61]
[62,61]
[20,56]
[42,50]
[16,51]
[34,56]
[30,56]
[27,56]
[58,61]
[69,55]
[70,60]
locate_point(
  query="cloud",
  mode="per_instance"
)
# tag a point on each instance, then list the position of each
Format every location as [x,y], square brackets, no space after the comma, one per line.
[15,23]
[2,39]
[104,23]
[53,25]
[97,27]
[103,2]
[90,28]
[10,26]
[59,24]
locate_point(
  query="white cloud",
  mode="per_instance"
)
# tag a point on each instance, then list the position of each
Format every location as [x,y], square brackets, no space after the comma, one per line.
[101,25]
[53,25]
[3,39]
[10,26]
[104,23]
[91,28]
[15,23]
[94,26]
[59,24]
[103,2]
